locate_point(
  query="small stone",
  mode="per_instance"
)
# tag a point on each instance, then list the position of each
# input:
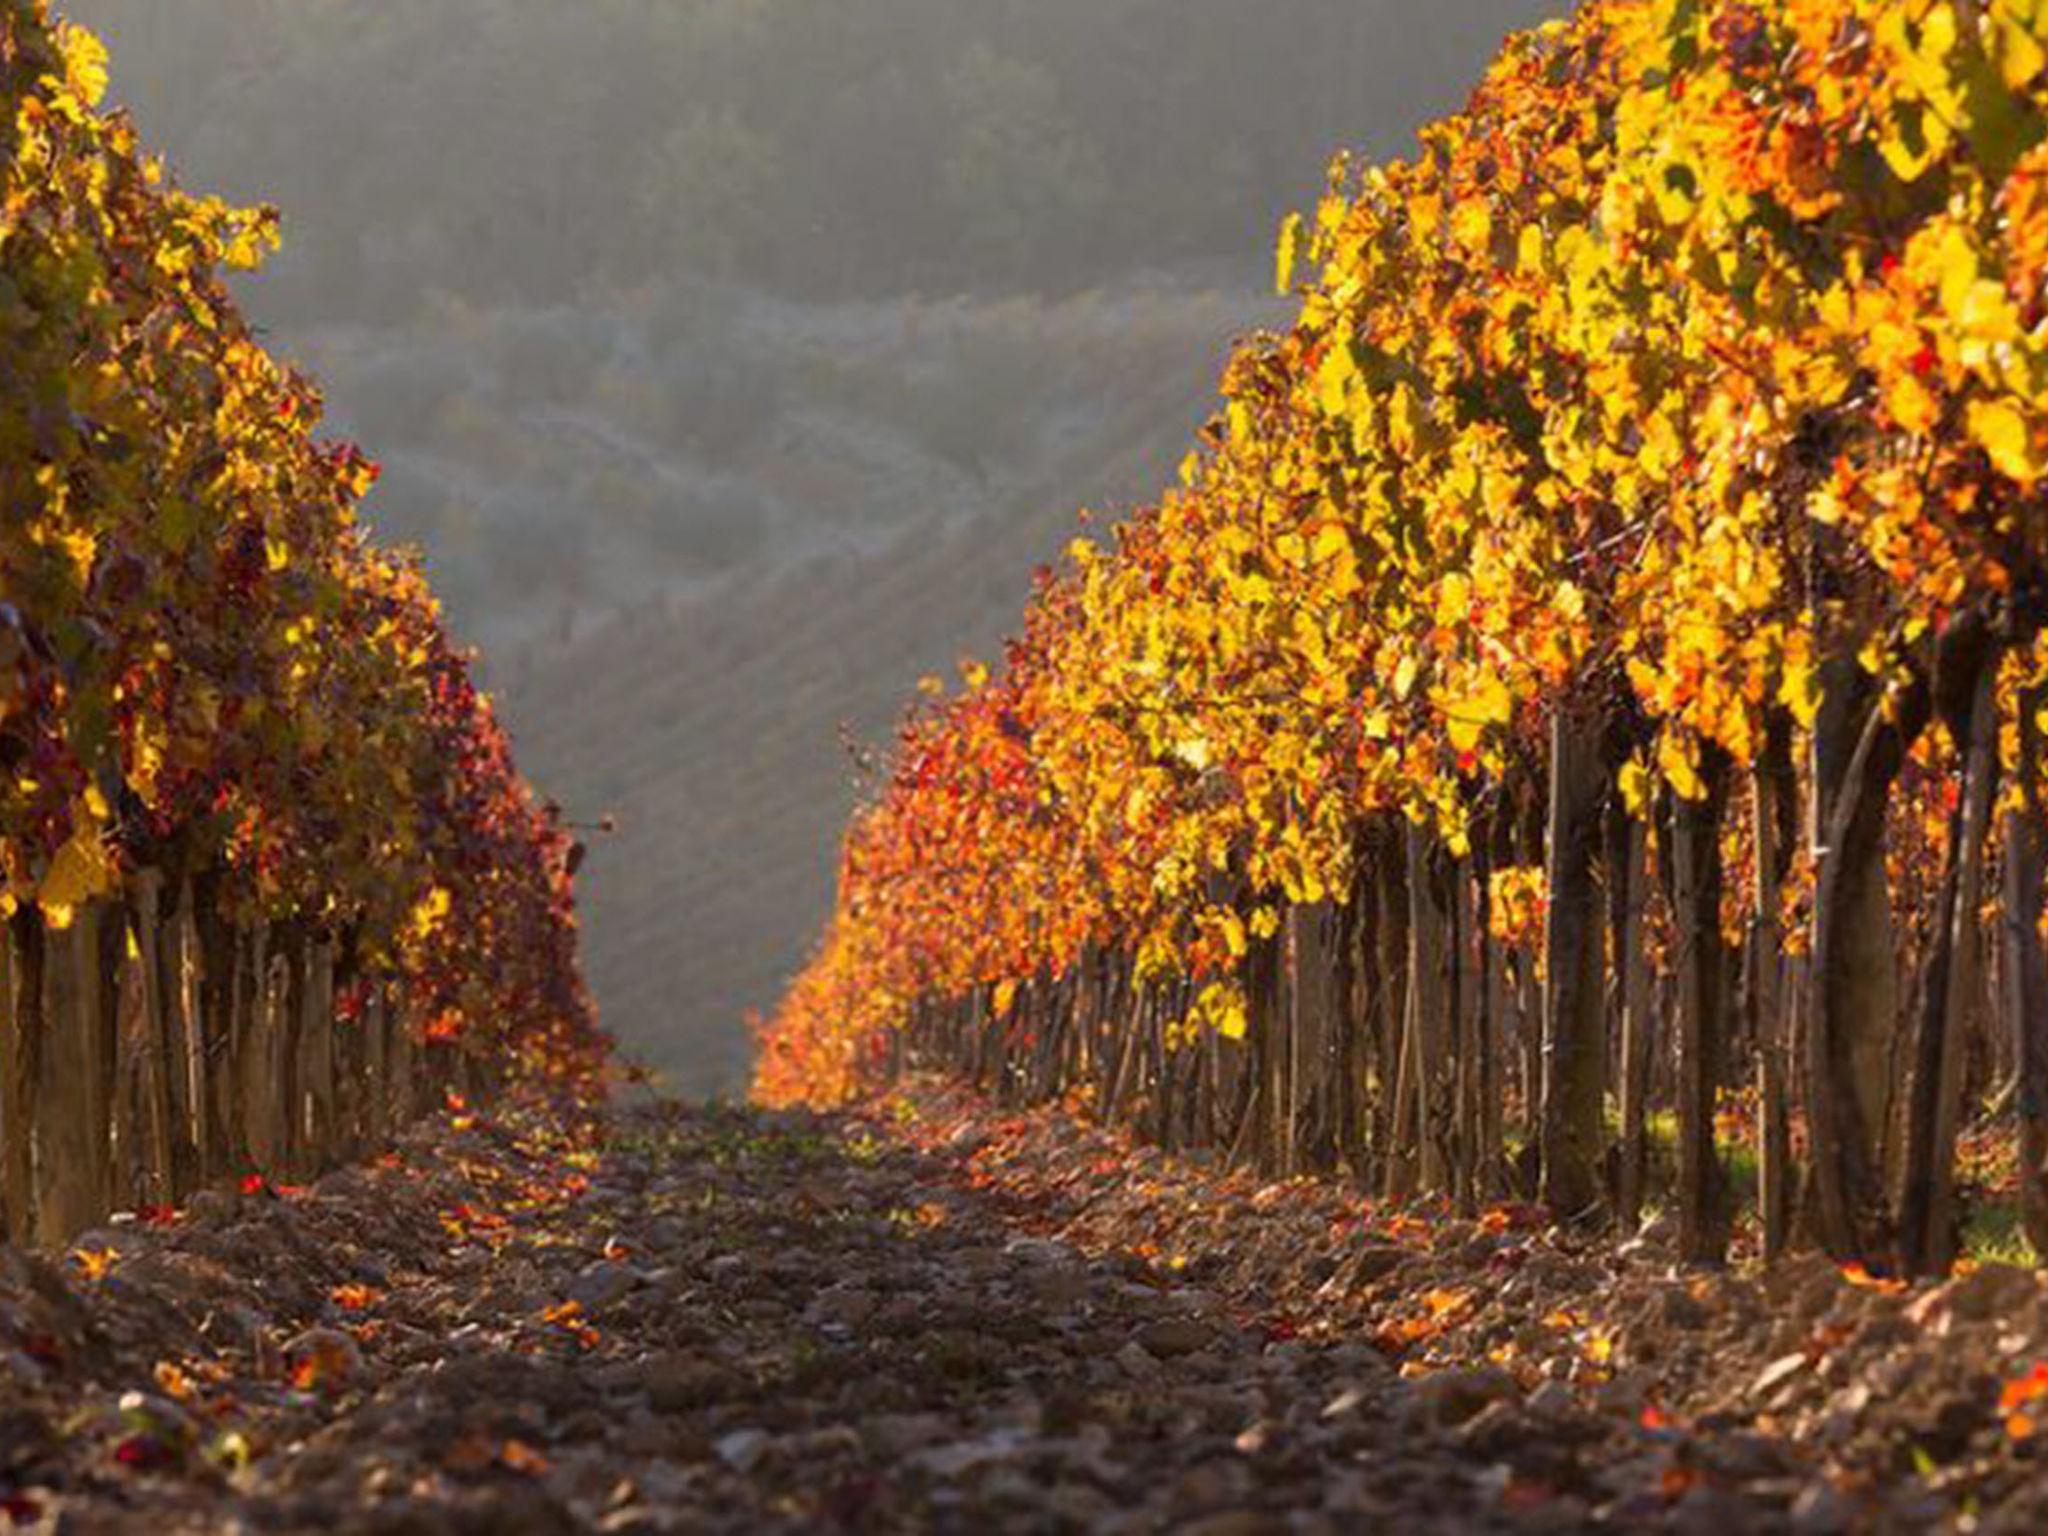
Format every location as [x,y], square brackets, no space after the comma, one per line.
[1236,1522]
[1819,1510]
[1376,1262]
[892,1436]
[1345,1402]
[1258,1438]
[1624,1393]
[1137,1362]
[1492,1431]
[743,1449]
[1704,1510]
[1172,1337]
[210,1207]
[847,1305]
[601,1285]
[677,1383]
[1777,1373]
[1062,1287]
[1449,1398]
[1991,1290]
[1677,1308]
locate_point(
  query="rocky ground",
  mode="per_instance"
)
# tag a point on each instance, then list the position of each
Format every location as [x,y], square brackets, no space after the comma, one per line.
[933,1317]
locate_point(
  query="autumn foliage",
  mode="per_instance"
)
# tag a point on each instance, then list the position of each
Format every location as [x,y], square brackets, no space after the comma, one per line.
[224,712]
[1641,524]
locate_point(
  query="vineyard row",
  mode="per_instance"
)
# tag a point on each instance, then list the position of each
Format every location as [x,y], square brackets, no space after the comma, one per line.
[1591,665]
[270,882]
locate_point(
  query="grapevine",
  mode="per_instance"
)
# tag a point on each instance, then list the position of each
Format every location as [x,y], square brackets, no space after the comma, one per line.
[1647,497]
[234,733]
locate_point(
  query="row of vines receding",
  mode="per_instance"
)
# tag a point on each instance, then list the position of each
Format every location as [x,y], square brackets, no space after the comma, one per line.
[269,881]
[1576,725]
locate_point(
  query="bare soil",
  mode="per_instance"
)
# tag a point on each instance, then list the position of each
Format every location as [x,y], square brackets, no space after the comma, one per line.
[934,1316]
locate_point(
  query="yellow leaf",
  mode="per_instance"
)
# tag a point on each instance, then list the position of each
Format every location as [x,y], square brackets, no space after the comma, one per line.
[1800,690]
[1233,935]
[1635,786]
[2001,429]
[1454,600]
[432,909]
[1406,419]
[1222,1007]
[85,57]
[1914,139]
[1679,760]
[2020,55]
[1494,703]
[1290,242]
[1332,543]
[1472,225]
[1005,996]
[81,870]
[1333,380]
[1911,404]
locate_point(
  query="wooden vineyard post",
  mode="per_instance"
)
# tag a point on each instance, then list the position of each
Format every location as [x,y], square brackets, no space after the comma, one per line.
[1391,1010]
[1774,1140]
[262,996]
[107,965]
[176,967]
[1265,974]
[1699,966]
[163,1112]
[2026,970]
[1357,988]
[1860,741]
[216,953]
[1572,1132]
[1934,1084]
[1473,1054]
[21,1050]
[1629,876]
[315,1053]
[74,1107]
[401,1058]
[1430,997]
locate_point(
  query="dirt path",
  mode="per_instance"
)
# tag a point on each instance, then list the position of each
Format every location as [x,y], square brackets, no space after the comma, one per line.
[932,1319]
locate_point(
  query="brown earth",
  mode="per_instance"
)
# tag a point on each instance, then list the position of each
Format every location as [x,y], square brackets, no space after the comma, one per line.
[931,1316]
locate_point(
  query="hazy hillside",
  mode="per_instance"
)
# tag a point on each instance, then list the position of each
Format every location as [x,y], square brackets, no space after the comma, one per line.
[627,294]
[559,464]
[528,150]
[712,725]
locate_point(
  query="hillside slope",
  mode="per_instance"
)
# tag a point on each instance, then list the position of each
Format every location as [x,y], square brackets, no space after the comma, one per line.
[710,724]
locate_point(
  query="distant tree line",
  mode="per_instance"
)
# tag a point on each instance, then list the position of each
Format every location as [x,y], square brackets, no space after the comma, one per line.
[526,150]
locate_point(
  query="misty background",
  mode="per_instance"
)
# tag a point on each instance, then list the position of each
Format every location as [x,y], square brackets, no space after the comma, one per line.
[733,361]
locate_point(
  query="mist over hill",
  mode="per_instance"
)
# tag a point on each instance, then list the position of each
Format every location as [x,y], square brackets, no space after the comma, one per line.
[734,360]
[530,151]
